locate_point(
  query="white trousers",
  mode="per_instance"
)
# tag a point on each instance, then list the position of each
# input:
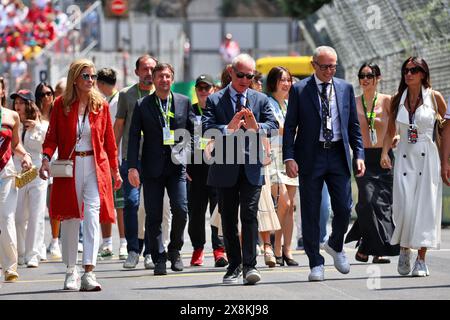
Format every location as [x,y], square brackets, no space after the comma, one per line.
[166,223]
[8,237]
[87,195]
[30,215]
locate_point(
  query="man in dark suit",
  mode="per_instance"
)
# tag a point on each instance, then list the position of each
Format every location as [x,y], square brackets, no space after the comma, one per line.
[230,112]
[159,116]
[322,118]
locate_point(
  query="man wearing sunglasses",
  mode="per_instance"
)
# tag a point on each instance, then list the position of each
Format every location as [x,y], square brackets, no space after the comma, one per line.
[320,128]
[230,111]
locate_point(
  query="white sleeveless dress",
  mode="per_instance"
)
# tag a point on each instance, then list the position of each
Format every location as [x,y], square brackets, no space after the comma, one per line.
[417,194]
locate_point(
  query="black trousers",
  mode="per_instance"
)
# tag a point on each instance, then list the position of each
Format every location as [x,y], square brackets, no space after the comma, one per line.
[199,195]
[246,196]
[174,179]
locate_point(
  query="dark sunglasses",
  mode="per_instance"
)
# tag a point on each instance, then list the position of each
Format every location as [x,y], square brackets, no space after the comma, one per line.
[369,76]
[240,75]
[87,76]
[204,88]
[48,94]
[413,70]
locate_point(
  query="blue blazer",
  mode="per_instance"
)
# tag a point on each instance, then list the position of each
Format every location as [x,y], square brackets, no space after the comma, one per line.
[303,123]
[148,121]
[219,112]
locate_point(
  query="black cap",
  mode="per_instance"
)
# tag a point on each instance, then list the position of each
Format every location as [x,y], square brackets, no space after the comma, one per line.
[24,94]
[205,78]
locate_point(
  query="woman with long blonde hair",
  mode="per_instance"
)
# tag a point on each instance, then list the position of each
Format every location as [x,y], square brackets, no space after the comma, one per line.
[81,129]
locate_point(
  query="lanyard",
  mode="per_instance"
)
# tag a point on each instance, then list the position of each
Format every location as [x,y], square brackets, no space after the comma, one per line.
[200,109]
[370,117]
[113,95]
[1,112]
[166,114]
[412,115]
[81,128]
[139,91]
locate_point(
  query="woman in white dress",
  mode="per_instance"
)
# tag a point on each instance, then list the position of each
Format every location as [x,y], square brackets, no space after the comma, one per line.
[279,82]
[417,195]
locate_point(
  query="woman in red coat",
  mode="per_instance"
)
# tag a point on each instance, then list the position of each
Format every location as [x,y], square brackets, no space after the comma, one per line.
[80,128]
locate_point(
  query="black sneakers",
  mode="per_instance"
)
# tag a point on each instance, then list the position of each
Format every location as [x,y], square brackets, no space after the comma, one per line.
[232,276]
[160,268]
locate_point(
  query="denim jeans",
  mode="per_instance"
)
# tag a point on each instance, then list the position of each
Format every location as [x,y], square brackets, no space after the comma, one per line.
[130,211]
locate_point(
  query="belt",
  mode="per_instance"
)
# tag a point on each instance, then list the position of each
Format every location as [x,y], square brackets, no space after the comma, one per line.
[329,145]
[84,153]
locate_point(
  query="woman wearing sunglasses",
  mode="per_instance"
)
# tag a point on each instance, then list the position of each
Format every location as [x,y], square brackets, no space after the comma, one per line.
[373,227]
[417,195]
[80,128]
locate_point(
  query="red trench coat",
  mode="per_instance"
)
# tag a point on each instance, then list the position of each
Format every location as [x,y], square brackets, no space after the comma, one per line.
[61,135]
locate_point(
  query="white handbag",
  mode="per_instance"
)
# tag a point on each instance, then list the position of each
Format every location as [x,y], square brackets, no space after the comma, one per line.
[61,168]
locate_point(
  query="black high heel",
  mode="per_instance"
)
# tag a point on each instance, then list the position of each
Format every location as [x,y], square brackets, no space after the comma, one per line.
[289,262]
[279,260]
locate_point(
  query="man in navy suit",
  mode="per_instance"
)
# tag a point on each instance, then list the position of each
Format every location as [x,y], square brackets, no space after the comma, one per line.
[322,119]
[157,118]
[229,113]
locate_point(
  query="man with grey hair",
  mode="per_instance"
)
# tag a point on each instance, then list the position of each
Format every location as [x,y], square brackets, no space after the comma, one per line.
[230,111]
[323,121]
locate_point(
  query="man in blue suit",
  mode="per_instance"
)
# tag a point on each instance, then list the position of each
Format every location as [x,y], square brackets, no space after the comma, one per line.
[322,119]
[229,113]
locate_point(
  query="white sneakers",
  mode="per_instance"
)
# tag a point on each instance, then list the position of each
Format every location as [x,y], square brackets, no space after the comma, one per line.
[123,252]
[72,281]
[89,282]
[33,262]
[420,269]
[404,262]
[340,259]
[316,273]
[54,250]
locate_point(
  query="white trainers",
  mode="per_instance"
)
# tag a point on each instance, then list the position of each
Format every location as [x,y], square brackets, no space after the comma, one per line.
[80,247]
[317,273]
[89,282]
[132,260]
[33,262]
[420,269]
[105,252]
[340,259]
[148,263]
[123,252]
[54,250]
[72,281]
[404,262]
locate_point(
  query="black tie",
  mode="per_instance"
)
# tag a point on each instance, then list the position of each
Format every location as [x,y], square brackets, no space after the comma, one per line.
[239,97]
[327,133]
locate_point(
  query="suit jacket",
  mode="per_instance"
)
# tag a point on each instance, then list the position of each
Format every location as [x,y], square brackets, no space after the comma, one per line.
[61,135]
[303,122]
[148,119]
[219,112]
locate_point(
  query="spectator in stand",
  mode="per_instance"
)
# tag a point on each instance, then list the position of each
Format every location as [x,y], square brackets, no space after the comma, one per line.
[229,49]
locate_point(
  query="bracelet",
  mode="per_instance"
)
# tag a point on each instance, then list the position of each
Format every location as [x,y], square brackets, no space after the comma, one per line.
[27,154]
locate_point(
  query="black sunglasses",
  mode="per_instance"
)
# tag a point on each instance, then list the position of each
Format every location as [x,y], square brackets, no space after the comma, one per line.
[240,75]
[87,76]
[48,94]
[369,76]
[413,70]
[203,88]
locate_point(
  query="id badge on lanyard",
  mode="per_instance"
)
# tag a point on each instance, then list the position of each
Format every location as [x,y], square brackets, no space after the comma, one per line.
[373,136]
[168,136]
[412,133]
[328,123]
